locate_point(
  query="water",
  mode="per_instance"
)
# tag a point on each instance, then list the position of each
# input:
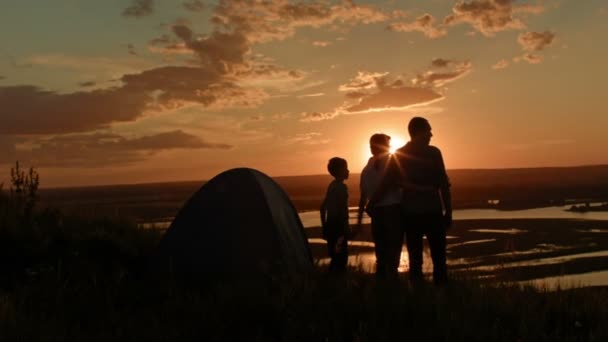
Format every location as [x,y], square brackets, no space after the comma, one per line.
[366,260]
[599,278]
[312,219]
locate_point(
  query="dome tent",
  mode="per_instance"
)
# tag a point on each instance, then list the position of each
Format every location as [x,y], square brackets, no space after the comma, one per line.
[240,222]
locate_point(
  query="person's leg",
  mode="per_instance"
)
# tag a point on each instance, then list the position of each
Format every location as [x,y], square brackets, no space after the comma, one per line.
[393,227]
[413,240]
[331,252]
[341,255]
[379,242]
[437,243]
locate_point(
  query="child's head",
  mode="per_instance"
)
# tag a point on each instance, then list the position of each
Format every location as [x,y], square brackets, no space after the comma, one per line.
[338,168]
[379,143]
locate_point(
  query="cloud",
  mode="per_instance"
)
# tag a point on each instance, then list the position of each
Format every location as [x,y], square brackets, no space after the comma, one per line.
[139,8]
[87,84]
[311,95]
[114,66]
[90,150]
[32,110]
[311,138]
[377,91]
[225,52]
[263,21]
[424,24]
[363,80]
[167,46]
[131,50]
[532,58]
[240,24]
[490,16]
[441,62]
[194,5]
[320,43]
[502,64]
[439,79]
[318,116]
[536,41]
[178,85]
[394,97]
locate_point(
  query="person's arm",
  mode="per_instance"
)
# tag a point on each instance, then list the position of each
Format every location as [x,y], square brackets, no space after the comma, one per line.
[444,190]
[323,212]
[343,200]
[362,201]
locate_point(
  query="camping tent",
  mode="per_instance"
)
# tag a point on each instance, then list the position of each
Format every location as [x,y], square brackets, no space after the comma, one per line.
[240,222]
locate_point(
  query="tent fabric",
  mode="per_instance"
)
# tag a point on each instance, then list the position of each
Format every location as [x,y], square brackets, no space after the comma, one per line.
[241,221]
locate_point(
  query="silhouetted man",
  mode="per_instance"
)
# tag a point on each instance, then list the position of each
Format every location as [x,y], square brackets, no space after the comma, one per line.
[425,212]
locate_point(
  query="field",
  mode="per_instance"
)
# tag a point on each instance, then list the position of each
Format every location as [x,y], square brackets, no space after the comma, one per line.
[82,273]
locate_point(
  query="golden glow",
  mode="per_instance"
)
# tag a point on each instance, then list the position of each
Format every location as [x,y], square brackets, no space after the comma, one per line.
[396,142]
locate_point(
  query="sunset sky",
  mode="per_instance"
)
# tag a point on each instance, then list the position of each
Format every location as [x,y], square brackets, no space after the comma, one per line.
[132,91]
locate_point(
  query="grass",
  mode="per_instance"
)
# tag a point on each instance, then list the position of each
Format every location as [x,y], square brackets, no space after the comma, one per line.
[68,278]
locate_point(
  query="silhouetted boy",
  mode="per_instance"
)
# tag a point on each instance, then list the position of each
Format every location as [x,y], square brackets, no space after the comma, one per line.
[334,215]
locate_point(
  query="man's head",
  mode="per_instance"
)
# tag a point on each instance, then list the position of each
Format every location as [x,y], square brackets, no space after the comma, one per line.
[338,168]
[379,143]
[420,130]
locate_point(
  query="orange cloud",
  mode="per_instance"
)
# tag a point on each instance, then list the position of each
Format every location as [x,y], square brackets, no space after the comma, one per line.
[490,16]
[394,97]
[536,41]
[311,138]
[532,58]
[318,116]
[502,64]
[92,150]
[320,43]
[424,24]
[194,5]
[31,110]
[363,80]
[439,79]
[139,8]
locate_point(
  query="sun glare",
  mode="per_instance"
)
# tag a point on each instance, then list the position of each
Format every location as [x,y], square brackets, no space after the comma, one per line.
[396,142]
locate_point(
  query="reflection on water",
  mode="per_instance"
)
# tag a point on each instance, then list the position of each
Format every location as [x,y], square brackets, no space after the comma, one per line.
[350,243]
[311,218]
[468,257]
[570,281]
[366,261]
[546,213]
[472,242]
[544,261]
[540,249]
[593,231]
[511,231]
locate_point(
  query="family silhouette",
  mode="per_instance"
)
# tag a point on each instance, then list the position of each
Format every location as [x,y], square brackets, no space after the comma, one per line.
[407,196]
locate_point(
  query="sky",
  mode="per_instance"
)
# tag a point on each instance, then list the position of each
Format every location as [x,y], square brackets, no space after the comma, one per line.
[136,91]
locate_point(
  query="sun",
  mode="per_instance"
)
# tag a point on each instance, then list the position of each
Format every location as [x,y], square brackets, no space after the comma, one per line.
[396,142]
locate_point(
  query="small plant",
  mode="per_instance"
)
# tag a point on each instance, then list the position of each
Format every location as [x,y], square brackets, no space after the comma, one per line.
[24,189]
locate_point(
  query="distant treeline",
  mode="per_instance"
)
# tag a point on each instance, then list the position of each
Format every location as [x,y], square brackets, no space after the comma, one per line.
[512,188]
